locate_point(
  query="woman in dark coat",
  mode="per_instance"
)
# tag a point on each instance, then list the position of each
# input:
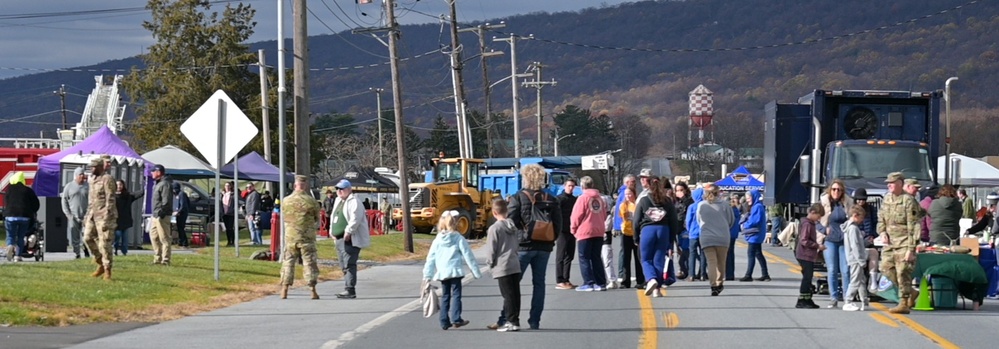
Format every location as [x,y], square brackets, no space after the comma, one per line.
[946,212]
[123,201]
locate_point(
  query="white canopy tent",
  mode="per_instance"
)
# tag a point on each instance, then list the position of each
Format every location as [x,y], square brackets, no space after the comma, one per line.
[179,164]
[972,172]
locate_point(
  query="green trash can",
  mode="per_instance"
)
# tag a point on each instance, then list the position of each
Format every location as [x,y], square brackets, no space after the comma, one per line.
[944,291]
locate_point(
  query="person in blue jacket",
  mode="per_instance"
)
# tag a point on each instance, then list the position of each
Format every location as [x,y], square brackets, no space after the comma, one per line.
[694,232]
[629,180]
[754,230]
[733,235]
[445,261]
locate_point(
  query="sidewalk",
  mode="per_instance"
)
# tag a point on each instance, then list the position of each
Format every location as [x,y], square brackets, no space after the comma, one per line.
[383,293]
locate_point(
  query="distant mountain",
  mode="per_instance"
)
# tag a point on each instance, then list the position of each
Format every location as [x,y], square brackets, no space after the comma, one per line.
[639,58]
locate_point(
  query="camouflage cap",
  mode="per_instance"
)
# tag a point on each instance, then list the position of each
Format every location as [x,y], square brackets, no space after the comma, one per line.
[894,176]
[913,182]
[299,178]
[646,172]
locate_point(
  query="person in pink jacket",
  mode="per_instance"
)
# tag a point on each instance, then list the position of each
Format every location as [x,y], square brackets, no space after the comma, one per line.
[587,225]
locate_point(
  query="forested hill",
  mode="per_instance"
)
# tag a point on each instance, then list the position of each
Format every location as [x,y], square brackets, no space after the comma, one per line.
[644,57]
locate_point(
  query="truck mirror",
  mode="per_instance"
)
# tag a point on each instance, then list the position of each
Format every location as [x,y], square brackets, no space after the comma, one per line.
[805,169]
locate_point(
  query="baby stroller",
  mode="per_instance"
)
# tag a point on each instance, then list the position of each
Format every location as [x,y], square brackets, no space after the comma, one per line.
[34,241]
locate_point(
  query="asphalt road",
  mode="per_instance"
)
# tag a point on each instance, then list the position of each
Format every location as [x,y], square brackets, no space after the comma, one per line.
[387,315]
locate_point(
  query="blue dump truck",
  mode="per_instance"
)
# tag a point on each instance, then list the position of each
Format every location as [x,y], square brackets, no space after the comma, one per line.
[857,136]
[505,184]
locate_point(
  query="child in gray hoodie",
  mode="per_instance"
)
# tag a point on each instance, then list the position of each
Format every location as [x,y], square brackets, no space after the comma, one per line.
[502,243]
[856,258]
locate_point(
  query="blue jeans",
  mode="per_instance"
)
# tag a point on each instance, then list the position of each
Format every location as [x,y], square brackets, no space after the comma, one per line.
[121,241]
[16,230]
[591,266]
[653,244]
[755,253]
[450,300]
[695,255]
[730,261]
[835,256]
[538,261]
[777,224]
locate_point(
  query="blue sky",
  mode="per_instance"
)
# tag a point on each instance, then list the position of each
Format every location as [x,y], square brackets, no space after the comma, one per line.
[56,39]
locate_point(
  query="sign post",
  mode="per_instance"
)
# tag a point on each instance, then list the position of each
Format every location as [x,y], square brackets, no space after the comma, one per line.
[231,132]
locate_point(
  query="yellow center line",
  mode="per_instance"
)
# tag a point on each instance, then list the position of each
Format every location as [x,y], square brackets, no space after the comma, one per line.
[650,334]
[915,326]
[884,319]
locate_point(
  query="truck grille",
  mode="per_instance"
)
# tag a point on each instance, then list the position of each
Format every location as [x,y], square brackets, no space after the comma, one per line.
[875,202]
[419,198]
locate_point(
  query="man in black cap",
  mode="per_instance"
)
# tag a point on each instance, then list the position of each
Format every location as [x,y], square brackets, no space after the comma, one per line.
[159,235]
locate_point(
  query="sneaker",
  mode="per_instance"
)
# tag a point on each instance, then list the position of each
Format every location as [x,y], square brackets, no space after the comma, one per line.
[599,288]
[656,293]
[509,327]
[493,326]
[10,253]
[642,287]
[612,285]
[650,286]
[832,304]
[746,278]
[460,323]
[764,278]
[714,291]
[18,259]
[850,307]
[346,295]
[563,286]
[585,288]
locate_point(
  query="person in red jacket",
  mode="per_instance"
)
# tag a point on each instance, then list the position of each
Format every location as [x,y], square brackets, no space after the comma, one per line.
[587,225]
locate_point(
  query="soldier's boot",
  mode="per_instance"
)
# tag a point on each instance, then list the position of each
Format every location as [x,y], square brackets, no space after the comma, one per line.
[107,273]
[284,291]
[98,272]
[901,308]
[314,294]
[912,298]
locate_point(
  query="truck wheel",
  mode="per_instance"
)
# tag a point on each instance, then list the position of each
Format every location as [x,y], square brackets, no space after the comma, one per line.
[464,223]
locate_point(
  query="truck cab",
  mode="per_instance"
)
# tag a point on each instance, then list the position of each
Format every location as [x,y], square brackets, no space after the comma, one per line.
[858,136]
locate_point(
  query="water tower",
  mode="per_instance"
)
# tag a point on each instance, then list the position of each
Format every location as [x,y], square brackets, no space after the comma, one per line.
[701,112]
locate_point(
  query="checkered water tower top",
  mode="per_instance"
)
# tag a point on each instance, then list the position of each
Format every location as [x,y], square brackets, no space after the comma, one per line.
[701,101]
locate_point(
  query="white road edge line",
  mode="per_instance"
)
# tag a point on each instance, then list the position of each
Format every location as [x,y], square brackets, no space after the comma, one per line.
[381,320]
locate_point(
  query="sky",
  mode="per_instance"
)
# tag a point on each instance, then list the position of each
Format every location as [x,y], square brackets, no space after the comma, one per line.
[38,35]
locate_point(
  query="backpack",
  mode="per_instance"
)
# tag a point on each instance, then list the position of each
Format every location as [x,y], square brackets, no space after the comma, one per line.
[542,229]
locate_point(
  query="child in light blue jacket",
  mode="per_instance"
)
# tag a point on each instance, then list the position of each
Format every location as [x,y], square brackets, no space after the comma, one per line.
[445,262]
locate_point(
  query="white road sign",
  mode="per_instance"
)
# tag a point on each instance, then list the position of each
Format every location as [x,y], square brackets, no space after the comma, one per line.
[202,129]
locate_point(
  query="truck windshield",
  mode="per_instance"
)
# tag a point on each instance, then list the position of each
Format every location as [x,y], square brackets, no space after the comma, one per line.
[449,172]
[877,161]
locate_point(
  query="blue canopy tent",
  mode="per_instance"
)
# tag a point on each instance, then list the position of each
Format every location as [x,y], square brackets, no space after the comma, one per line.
[740,180]
[253,167]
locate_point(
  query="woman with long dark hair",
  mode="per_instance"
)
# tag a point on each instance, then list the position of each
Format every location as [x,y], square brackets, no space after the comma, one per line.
[836,204]
[683,201]
[654,220]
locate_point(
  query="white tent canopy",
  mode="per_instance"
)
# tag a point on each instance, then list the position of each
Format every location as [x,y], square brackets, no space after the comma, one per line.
[972,172]
[179,163]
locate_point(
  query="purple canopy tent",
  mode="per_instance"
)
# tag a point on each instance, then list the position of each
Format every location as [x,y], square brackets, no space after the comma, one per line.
[253,167]
[47,180]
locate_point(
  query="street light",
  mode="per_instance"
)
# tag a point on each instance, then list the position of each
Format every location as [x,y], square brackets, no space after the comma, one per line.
[947,138]
[559,139]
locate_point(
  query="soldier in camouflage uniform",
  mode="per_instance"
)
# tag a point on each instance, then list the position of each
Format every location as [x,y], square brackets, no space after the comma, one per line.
[301,216]
[898,227]
[102,216]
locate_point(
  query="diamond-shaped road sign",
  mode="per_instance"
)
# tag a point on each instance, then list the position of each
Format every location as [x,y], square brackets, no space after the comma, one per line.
[202,129]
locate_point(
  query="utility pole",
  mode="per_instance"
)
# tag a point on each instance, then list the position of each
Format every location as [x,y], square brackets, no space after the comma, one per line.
[480,31]
[282,131]
[302,119]
[538,84]
[381,144]
[464,141]
[513,82]
[400,132]
[62,102]
[264,112]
